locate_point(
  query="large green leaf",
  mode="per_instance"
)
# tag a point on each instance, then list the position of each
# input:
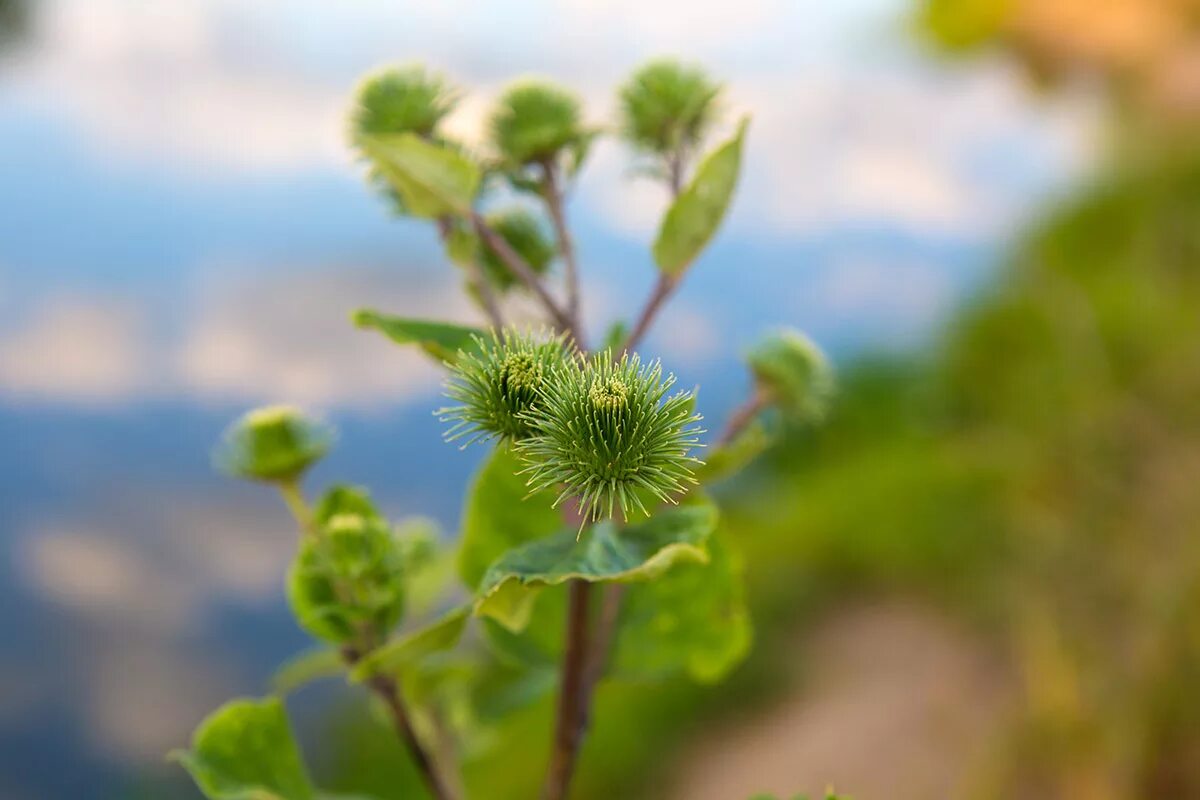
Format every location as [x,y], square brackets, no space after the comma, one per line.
[499,516]
[694,217]
[603,553]
[245,751]
[306,667]
[392,657]
[433,180]
[442,340]
[693,620]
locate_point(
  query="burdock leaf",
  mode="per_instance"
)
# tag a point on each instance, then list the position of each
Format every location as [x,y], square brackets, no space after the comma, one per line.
[441,340]
[433,180]
[694,217]
[498,516]
[693,620]
[603,553]
[441,634]
[245,751]
[306,667]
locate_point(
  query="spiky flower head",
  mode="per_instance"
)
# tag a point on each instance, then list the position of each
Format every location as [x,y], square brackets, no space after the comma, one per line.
[275,444]
[347,580]
[524,234]
[535,121]
[793,372]
[498,385]
[610,437]
[666,105]
[402,100]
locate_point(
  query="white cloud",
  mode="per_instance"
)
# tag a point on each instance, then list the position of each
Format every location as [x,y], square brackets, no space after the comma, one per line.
[291,338]
[162,578]
[257,340]
[93,350]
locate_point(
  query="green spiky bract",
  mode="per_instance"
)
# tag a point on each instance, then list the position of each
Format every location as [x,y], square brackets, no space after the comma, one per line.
[524,234]
[402,100]
[273,444]
[667,105]
[535,121]
[608,435]
[498,385]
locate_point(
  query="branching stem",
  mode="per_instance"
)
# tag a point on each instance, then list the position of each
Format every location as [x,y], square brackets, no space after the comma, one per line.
[487,294]
[524,273]
[556,204]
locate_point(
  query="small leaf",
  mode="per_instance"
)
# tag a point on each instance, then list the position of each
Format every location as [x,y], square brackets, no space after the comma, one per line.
[497,516]
[731,458]
[692,620]
[604,553]
[441,340]
[306,667]
[694,217]
[245,751]
[433,180]
[615,336]
[394,656]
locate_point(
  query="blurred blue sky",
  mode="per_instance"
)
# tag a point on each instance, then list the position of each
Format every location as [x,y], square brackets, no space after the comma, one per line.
[183,232]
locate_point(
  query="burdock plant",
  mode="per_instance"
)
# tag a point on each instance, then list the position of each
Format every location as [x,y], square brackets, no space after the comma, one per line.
[588,538]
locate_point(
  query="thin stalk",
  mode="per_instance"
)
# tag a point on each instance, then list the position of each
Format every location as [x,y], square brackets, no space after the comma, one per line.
[742,416]
[487,295]
[524,273]
[294,498]
[556,204]
[574,698]
[662,291]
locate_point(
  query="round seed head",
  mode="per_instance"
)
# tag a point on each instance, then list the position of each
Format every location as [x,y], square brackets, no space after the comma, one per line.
[276,444]
[498,385]
[610,436]
[525,235]
[534,121]
[667,105]
[402,100]
[348,579]
[794,373]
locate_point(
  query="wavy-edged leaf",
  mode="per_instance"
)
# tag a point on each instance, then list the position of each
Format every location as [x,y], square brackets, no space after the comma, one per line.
[693,620]
[694,217]
[441,340]
[392,657]
[499,516]
[733,457]
[433,180]
[604,553]
[311,665]
[245,751]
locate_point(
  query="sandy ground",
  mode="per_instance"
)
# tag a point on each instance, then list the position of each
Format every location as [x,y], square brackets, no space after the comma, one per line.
[898,704]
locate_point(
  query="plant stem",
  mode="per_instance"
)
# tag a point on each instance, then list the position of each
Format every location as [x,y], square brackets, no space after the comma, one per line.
[556,204]
[661,293]
[387,690]
[574,696]
[294,498]
[742,416]
[487,295]
[524,273]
